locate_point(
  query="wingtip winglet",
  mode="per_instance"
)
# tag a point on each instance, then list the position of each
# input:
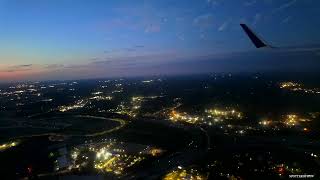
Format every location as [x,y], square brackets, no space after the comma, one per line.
[253,37]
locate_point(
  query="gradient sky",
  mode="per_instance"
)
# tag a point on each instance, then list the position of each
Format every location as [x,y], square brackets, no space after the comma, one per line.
[68,39]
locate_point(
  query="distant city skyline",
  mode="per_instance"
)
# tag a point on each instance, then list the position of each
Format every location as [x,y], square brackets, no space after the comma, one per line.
[64,39]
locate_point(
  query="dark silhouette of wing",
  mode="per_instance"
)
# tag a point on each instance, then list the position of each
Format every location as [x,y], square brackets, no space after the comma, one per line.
[258,42]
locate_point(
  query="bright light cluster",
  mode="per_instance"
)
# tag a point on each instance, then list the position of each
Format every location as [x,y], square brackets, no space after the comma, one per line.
[265,122]
[100,98]
[282,169]
[111,156]
[116,163]
[208,117]
[103,154]
[147,81]
[291,120]
[184,117]
[289,85]
[155,151]
[97,93]
[298,87]
[294,120]
[114,160]
[287,121]
[79,104]
[224,114]
[8,145]
[183,174]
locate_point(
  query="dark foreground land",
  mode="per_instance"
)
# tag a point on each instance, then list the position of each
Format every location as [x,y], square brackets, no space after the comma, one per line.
[216,126]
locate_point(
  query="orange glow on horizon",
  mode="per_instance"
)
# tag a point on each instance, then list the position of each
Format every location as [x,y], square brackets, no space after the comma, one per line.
[21,74]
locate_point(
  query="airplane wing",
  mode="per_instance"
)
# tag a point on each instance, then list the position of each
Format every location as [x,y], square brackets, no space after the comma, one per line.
[258,42]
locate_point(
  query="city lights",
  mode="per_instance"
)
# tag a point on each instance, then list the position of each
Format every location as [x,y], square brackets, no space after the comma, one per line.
[8,145]
[155,151]
[111,156]
[282,169]
[167,132]
[79,104]
[100,98]
[97,93]
[181,173]
[299,87]
[224,114]
[265,122]
[103,154]
[118,163]
[289,85]
[291,120]
[147,81]
[295,120]
[184,117]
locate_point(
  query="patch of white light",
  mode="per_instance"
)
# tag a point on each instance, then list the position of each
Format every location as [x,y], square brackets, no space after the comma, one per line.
[103,154]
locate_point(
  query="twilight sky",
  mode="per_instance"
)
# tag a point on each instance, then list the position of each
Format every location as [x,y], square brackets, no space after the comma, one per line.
[68,39]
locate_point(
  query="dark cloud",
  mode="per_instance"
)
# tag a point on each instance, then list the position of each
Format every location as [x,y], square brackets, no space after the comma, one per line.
[117,61]
[76,66]
[54,66]
[15,68]
[22,66]
[102,62]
